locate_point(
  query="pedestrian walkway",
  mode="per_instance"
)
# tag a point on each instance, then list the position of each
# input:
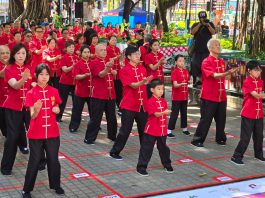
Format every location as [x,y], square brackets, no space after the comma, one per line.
[87,171]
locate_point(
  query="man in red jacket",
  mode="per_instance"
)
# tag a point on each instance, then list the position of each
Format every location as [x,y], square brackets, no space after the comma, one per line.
[102,96]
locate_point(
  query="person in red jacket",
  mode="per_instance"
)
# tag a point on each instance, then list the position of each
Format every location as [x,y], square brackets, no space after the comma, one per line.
[18,78]
[7,36]
[67,81]
[43,133]
[213,96]
[79,41]
[17,39]
[83,87]
[102,97]
[144,48]
[93,41]
[251,115]
[4,58]
[154,61]
[62,40]
[52,57]
[134,102]
[155,130]
[113,52]
[109,30]
[180,80]
[36,47]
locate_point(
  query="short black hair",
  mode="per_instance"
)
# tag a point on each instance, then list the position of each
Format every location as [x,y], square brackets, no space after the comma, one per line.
[14,34]
[130,50]
[178,56]
[69,43]
[89,23]
[15,49]
[27,32]
[5,24]
[48,40]
[40,68]
[51,32]
[252,64]
[38,27]
[64,29]
[156,82]
[83,47]
[140,32]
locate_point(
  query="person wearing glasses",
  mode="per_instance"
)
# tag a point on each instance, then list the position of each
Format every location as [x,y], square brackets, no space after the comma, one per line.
[36,47]
[251,115]
[61,41]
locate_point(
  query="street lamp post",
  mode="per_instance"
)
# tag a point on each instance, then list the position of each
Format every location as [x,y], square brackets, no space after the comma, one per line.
[148,11]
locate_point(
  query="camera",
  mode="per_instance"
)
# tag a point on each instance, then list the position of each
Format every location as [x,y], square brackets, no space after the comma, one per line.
[206,20]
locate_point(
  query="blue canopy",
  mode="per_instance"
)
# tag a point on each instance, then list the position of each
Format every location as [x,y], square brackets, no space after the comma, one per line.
[119,12]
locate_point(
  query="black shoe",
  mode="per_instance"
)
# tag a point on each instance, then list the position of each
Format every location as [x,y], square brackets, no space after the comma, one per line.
[6,172]
[59,120]
[142,172]
[170,135]
[197,144]
[89,142]
[73,130]
[169,169]
[262,159]
[221,143]
[119,113]
[26,194]
[42,168]
[237,161]
[186,133]
[116,156]
[24,150]
[59,191]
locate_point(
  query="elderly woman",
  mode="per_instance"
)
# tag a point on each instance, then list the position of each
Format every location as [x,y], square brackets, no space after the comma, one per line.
[213,96]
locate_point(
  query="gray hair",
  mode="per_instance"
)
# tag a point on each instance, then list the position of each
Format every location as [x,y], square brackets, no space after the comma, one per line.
[99,45]
[211,41]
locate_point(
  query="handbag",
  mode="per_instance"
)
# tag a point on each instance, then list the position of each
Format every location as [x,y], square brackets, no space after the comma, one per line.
[191,47]
[191,44]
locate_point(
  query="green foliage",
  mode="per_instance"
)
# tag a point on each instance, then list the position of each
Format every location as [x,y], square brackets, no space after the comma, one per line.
[57,20]
[170,39]
[226,43]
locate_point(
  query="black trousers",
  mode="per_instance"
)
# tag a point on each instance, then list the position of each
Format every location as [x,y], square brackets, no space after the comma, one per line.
[64,91]
[97,107]
[210,110]
[178,106]
[196,63]
[54,81]
[2,121]
[127,120]
[16,121]
[249,126]
[78,107]
[51,148]
[147,148]
[118,91]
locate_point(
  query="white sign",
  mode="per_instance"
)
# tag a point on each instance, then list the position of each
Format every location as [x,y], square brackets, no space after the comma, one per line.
[80,175]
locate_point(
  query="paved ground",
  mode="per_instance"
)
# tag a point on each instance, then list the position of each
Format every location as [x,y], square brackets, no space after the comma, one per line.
[87,171]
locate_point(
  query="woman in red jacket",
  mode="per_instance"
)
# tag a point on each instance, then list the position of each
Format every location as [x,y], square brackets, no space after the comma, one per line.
[113,52]
[43,133]
[18,78]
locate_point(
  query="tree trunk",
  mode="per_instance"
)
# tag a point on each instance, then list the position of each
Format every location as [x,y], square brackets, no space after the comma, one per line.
[163,14]
[129,5]
[162,6]
[15,9]
[157,18]
[37,10]
[244,23]
[258,37]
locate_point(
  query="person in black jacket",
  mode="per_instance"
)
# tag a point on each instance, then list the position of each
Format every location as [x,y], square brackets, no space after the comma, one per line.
[89,31]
